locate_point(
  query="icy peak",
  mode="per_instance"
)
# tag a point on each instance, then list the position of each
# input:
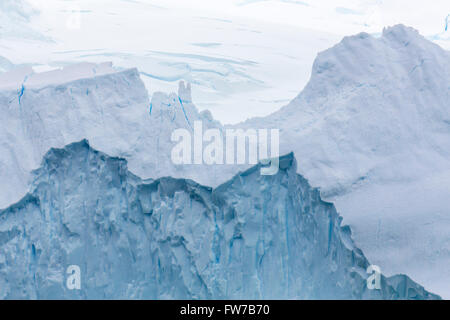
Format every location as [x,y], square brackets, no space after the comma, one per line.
[398,33]
[178,109]
[401,56]
[401,33]
[185,92]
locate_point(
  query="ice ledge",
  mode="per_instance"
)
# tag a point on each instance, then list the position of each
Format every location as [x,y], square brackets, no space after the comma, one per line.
[26,77]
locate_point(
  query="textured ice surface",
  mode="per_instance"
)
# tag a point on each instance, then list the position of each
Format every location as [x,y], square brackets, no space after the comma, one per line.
[254,237]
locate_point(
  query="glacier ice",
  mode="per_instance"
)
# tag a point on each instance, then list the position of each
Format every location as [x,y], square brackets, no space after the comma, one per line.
[253,237]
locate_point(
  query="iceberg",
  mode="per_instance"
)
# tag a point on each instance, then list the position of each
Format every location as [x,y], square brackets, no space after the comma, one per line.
[370,130]
[253,237]
[111,108]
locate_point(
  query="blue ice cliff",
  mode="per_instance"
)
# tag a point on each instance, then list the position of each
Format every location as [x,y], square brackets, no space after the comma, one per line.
[254,237]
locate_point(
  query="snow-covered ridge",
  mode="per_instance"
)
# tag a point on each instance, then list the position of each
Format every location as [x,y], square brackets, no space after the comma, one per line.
[254,237]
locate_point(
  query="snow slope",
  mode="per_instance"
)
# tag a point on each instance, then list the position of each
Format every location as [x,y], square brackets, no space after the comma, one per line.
[372,130]
[254,237]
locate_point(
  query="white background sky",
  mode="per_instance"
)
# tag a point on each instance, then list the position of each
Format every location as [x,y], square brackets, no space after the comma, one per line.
[340,16]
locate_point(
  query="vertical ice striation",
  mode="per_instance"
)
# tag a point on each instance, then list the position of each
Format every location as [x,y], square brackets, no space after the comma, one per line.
[254,237]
